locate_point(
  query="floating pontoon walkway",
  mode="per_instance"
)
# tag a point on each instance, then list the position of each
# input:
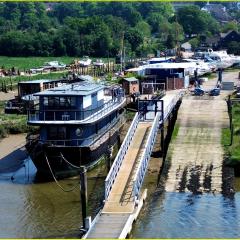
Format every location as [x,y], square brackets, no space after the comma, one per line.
[123,196]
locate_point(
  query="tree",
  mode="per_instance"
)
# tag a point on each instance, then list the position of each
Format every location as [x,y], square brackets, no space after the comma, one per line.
[192,19]
[233,47]
[230,26]
[134,37]
[171,42]
[162,8]
[194,43]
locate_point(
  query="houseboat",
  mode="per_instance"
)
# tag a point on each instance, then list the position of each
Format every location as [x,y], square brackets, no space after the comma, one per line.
[25,97]
[79,125]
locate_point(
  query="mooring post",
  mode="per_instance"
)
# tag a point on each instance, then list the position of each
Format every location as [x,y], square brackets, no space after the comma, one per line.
[83,191]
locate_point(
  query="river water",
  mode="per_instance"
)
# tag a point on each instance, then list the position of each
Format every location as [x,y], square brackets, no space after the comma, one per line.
[31,209]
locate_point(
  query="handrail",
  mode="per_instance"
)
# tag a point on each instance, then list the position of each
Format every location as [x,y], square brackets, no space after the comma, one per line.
[70,115]
[142,167]
[172,104]
[116,124]
[120,156]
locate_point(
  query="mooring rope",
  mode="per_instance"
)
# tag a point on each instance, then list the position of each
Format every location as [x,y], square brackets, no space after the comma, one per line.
[68,190]
[72,165]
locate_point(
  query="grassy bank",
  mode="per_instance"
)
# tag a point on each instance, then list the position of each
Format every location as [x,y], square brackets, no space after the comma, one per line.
[25,63]
[13,123]
[232,149]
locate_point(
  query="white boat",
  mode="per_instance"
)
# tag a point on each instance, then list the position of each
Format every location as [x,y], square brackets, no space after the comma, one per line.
[199,65]
[220,58]
[85,61]
[98,63]
[223,60]
[236,60]
[54,65]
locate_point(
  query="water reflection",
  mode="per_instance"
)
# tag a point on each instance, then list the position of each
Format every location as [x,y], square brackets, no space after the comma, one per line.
[185,215]
[42,210]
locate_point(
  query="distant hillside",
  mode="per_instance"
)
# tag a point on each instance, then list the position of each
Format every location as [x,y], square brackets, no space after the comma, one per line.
[98,29]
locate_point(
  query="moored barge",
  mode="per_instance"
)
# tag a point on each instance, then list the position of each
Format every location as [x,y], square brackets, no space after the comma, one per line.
[79,124]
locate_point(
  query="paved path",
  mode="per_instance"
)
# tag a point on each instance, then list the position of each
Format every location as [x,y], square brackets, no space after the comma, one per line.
[196,154]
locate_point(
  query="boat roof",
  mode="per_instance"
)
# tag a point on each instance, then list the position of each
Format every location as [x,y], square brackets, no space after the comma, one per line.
[160,58]
[131,79]
[75,89]
[39,81]
[170,65]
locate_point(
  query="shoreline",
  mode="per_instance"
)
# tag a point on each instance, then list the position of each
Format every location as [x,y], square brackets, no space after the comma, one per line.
[12,153]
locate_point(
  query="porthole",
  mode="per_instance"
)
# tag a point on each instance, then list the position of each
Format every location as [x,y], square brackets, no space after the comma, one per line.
[79,132]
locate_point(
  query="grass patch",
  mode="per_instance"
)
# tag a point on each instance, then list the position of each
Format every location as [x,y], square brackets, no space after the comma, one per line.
[232,69]
[25,63]
[209,75]
[13,123]
[130,115]
[175,131]
[232,151]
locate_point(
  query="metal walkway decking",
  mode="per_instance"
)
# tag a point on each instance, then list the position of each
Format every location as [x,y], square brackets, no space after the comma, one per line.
[123,183]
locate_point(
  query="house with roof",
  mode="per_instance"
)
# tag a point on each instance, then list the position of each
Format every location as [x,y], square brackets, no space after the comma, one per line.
[218,11]
[226,38]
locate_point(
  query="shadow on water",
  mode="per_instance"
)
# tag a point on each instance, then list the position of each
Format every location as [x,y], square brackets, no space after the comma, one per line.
[40,209]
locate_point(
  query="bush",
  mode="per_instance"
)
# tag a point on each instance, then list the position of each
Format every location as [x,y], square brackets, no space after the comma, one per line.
[3,131]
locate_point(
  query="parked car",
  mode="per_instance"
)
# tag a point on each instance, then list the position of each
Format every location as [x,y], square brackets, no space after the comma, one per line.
[199,91]
[214,92]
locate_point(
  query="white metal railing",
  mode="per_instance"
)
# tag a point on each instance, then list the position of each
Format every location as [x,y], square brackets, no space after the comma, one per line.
[84,142]
[168,108]
[120,156]
[142,167]
[74,115]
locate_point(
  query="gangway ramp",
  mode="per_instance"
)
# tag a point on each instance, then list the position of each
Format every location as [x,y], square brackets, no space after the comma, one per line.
[123,195]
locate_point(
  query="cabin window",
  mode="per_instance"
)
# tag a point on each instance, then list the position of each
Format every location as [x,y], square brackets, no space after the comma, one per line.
[45,101]
[53,101]
[73,101]
[62,102]
[65,101]
[100,95]
[148,71]
[57,133]
[87,101]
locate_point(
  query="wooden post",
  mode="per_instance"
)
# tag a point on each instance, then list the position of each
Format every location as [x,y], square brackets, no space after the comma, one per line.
[83,191]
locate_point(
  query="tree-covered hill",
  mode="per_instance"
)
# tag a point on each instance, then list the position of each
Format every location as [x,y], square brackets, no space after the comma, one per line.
[97,29]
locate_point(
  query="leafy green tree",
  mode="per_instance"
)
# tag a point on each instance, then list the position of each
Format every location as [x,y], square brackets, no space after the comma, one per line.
[194,43]
[230,26]
[192,20]
[134,37]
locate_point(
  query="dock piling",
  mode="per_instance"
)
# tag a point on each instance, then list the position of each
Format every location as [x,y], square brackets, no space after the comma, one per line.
[84,200]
